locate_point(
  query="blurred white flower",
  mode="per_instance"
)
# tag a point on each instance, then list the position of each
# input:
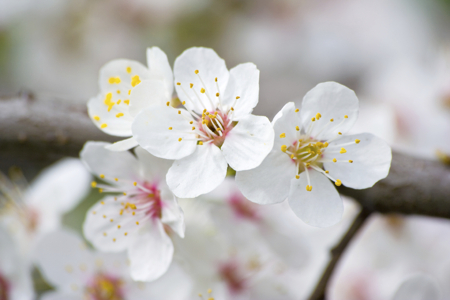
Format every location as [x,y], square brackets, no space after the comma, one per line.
[29,212]
[79,273]
[418,287]
[115,108]
[138,219]
[216,128]
[15,275]
[307,145]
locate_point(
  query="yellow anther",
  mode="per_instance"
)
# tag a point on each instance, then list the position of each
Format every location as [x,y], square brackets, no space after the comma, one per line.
[204,122]
[118,102]
[331,120]
[179,139]
[307,164]
[124,194]
[118,226]
[125,234]
[283,135]
[116,179]
[237,97]
[118,92]
[297,176]
[309,188]
[128,70]
[119,115]
[346,116]
[297,110]
[297,128]
[283,148]
[232,108]
[96,118]
[340,133]
[318,116]
[93,184]
[168,103]
[135,183]
[100,190]
[191,122]
[325,144]
[113,80]
[102,176]
[111,220]
[292,156]
[313,119]
[215,79]
[133,213]
[202,90]
[127,102]
[102,202]
[104,233]
[193,127]
[191,85]
[343,151]
[178,83]
[137,223]
[184,102]
[338,182]
[216,113]
[334,160]
[217,94]
[350,161]
[94,212]
[129,92]
[207,113]
[357,141]
[300,140]
[135,80]
[327,171]
[179,112]
[170,128]
[104,216]
[196,71]
[121,212]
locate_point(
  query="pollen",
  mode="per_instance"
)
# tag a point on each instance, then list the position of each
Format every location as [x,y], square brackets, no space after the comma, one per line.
[318,116]
[114,240]
[112,220]
[331,120]
[113,80]
[215,79]
[340,133]
[334,160]
[178,83]
[118,226]
[343,151]
[313,119]
[102,202]
[309,188]
[100,190]
[296,176]
[327,171]
[94,212]
[191,85]
[179,112]
[125,234]
[118,102]
[283,135]
[118,92]
[184,102]
[170,128]
[96,118]
[104,216]
[168,103]
[196,71]
[127,102]
[137,223]
[135,183]
[191,122]
[325,144]
[338,182]
[93,184]
[237,97]
[217,94]
[346,116]
[283,148]
[193,128]
[202,90]
[128,70]
[119,115]
[104,233]
[350,161]
[179,139]
[135,80]
[297,110]
[129,92]
[116,179]
[104,125]
[200,143]
[357,141]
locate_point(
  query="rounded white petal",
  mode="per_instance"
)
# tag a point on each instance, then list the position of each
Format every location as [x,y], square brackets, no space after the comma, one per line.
[123,69]
[64,259]
[172,214]
[66,295]
[151,167]
[123,145]
[320,207]
[111,164]
[151,130]
[247,144]
[159,67]
[147,93]
[285,122]
[209,66]
[151,254]
[101,226]
[333,101]
[418,287]
[199,173]
[243,83]
[60,187]
[371,160]
[269,182]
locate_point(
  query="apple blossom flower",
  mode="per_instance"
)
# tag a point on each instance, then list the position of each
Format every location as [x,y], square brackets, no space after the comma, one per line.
[28,212]
[79,273]
[310,148]
[141,217]
[15,274]
[115,107]
[216,127]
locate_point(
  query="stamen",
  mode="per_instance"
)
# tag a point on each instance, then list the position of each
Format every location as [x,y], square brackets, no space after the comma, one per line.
[283,135]
[338,182]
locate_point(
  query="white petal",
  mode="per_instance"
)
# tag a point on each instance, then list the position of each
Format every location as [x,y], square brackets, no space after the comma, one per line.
[59,256]
[243,83]
[123,145]
[159,67]
[371,160]
[197,174]
[151,254]
[210,66]
[333,101]
[151,130]
[247,144]
[286,121]
[60,187]
[269,182]
[146,94]
[321,207]
[172,214]
[57,295]
[119,68]
[418,287]
[112,164]
[152,168]
[101,226]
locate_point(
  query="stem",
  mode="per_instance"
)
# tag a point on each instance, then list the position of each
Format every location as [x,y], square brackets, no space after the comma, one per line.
[336,253]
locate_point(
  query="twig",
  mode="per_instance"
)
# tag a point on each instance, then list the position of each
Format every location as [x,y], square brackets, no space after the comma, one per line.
[336,253]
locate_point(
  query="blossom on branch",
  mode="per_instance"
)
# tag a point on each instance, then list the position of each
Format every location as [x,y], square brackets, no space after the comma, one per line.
[310,149]
[142,215]
[213,130]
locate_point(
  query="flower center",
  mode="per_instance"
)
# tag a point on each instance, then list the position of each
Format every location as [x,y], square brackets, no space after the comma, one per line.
[230,273]
[214,127]
[105,287]
[243,208]
[4,288]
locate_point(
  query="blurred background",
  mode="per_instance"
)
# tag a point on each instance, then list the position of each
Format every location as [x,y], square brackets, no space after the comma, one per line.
[395,54]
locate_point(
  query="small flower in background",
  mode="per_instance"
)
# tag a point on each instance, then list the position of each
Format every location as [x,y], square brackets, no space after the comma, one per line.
[216,127]
[114,109]
[15,278]
[418,287]
[28,212]
[142,215]
[76,272]
[310,148]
